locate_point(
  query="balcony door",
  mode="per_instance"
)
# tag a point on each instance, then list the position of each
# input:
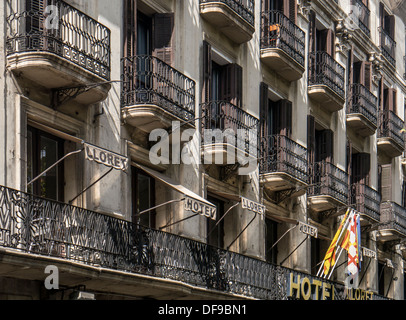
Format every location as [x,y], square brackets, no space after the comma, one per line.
[143,197]
[44,150]
[287,7]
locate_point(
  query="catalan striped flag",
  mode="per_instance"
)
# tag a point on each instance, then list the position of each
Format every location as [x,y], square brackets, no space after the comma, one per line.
[354,261]
[340,239]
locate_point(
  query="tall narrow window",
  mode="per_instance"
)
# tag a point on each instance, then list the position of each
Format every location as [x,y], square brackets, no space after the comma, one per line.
[143,187]
[44,150]
[270,240]
[215,235]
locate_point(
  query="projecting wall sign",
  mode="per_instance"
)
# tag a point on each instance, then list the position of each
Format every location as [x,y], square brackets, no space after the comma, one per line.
[105,157]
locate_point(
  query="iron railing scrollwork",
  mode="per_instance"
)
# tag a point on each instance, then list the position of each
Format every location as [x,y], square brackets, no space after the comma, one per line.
[281,154]
[327,179]
[393,216]
[367,200]
[48,228]
[73,35]
[278,31]
[233,123]
[364,17]
[390,126]
[324,70]
[362,101]
[244,8]
[149,80]
[388,46]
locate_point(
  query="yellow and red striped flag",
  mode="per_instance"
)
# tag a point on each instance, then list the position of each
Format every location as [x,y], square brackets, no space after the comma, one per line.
[341,239]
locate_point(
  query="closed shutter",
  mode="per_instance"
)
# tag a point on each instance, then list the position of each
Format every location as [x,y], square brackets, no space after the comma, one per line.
[363,73]
[162,39]
[289,9]
[35,20]
[130,36]
[386,182]
[312,32]
[207,73]
[311,140]
[231,84]
[264,109]
[282,118]
[325,146]
[390,99]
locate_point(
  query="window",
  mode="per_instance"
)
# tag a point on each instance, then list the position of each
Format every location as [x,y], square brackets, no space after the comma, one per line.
[215,235]
[316,255]
[143,188]
[287,7]
[271,252]
[44,150]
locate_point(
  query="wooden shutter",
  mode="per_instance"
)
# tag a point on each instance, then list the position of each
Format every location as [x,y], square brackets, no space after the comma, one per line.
[162,39]
[327,41]
[311,139]
[207,72]
[391,26]
[390,99]
[231,84]
[386,182]
[368,75]
[35,21]
[361,166]
[289,9]
[363,73]
[130,20]
[282,118]
[325,146]
[264,109]
[312,32]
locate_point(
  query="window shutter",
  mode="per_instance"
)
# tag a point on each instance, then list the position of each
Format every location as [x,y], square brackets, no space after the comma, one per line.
[264,109]
[282,118]
[207,72]
[163,28]
[35,21]
[311,139]
[130,18]
[390,99]
[325,141]
[386,182]
[327,41]
[312,31]
[231,84]
[368,74]
[392,26]
[292,10]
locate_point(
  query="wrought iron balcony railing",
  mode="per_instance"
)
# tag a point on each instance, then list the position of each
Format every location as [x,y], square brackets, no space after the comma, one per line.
[282,154]
[34,225]
[324,70]
[149,80]
[233,122]
[72,35]
[244,8]
[362,101]
[327,179]
[390,126]
[393,217]
[366,200]
[278,31]
[364,17]
[388,46]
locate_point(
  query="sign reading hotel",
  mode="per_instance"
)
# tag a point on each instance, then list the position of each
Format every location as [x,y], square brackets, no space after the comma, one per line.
[306,287]
[253,206]
[308,229]
[201,208]
[105,157]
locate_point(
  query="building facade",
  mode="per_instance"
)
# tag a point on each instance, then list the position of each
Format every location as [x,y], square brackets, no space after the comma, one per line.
[107,173]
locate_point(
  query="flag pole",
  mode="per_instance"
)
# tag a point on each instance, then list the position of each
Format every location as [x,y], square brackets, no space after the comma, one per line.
[332,269]
[345,226]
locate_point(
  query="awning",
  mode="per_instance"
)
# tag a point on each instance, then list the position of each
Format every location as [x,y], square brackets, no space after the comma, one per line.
[194,202]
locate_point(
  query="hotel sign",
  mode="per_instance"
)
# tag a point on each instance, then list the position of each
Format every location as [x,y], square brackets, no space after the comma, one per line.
[105,157]
[308,229]
[201,208]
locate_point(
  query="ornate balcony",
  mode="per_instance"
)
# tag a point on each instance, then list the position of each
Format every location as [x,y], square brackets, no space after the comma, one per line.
[328,187]
[326,81]
[234,18]
[91,247]
[367,202]
[393,221]
[390,137]
[154,94]
[388,47]
[229,134]
[283,163]
[364,17]
[362,110]
[282,45]
[69,51]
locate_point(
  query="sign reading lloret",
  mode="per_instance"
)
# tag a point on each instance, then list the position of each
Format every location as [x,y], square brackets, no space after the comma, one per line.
[108,158]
